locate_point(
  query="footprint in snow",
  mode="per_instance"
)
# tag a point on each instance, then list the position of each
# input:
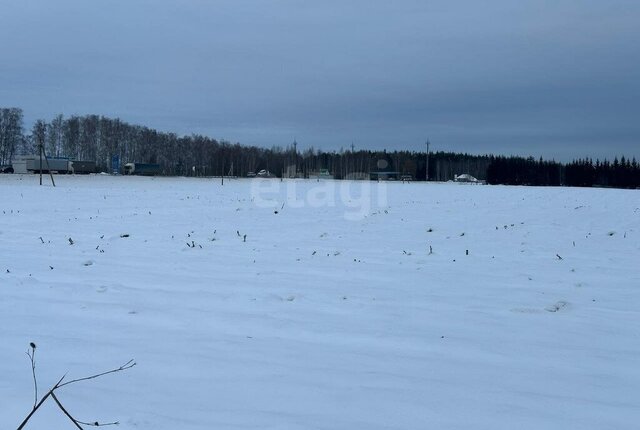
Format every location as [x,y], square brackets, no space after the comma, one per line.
[526,310]
[556,306]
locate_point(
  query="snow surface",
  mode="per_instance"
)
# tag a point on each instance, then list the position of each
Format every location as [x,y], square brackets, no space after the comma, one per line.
[322,319]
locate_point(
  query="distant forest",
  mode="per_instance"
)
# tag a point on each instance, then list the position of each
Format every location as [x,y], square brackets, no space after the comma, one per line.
[97,138]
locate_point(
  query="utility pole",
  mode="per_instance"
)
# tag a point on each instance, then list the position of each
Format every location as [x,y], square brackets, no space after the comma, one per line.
[426,176]
[295,158]
[40,140]
[351,161]
[40,150]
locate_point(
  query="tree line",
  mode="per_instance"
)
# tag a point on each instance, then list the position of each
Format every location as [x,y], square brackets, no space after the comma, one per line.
[620,173]
[99,138]
[11,133]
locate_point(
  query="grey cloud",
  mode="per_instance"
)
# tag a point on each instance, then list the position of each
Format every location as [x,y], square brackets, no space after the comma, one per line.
[547,78]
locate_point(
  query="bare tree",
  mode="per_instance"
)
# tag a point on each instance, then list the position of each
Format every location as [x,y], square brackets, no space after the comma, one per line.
[10,133]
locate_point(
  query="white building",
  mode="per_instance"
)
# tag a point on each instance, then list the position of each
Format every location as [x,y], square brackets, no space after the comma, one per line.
[19,163]
[467,178]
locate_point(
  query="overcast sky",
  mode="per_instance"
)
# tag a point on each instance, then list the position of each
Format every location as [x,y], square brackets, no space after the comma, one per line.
[553,78]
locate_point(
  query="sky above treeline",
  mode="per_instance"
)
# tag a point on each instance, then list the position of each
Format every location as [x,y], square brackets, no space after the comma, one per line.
[558,79]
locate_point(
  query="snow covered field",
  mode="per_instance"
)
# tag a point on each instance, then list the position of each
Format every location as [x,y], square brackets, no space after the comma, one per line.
[331,314]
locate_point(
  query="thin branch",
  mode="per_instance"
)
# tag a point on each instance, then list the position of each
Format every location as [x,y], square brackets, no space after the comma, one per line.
[73,420]
[33,411]
[76,422]
[32,357]
[128,365]
[97,424]
[42,400]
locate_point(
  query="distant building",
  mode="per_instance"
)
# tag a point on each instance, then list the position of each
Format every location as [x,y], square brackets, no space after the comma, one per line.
[385,176]
[467,178]
[322,174]
[292,172]
[49,164]
[265,174]
[142,169]
[20,163]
